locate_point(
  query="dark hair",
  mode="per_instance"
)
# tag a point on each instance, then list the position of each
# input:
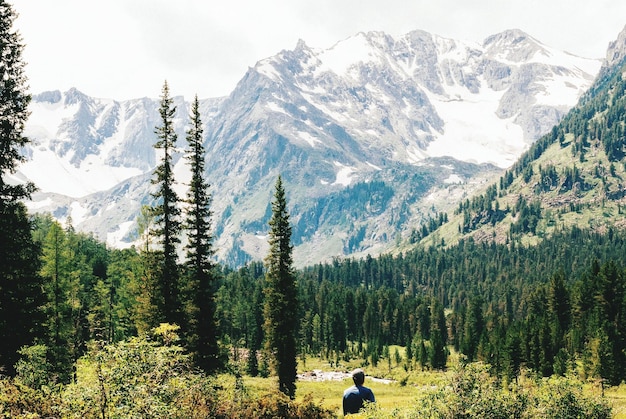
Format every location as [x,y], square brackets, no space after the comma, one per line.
[358,376]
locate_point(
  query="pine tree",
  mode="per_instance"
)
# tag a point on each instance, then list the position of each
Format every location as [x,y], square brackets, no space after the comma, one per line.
[123,273]
[14,110]
[473,329]
[256,339]
[512,355]
[199,266]
[281,305]
[422,354]
[438,353]
[558,309]
[609,301]
[20,285]
[167,214]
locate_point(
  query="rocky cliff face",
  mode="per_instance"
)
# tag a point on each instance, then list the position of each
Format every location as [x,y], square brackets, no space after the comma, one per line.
[616,53]
[372,136]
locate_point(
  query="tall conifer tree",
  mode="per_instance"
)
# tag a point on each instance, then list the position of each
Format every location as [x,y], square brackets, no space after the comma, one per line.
[56,269]
[199,268]
[281,305]
[21,296]
[438,350]
[14,110]
[167,216]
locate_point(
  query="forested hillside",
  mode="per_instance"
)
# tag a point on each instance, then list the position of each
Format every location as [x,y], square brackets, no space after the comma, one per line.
[572,176]
[491,293]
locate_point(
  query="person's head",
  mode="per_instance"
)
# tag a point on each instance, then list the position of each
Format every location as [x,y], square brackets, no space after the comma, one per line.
[358,376]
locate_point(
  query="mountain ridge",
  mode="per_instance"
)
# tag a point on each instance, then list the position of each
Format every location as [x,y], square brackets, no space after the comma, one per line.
[330,125]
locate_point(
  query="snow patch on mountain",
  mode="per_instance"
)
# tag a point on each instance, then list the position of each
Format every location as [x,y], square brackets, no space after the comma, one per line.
[464,138]
[453,178]
[344,174]
[558,92]
[267,69]
[52,173]
[345,55]
[118,237]
[311,140]
[46,118]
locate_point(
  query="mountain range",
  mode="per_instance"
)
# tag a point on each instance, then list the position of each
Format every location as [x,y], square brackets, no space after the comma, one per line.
[373,137]
[571,178]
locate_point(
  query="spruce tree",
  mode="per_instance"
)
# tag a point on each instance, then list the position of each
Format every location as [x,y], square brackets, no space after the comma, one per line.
[199,268]
[21,294]
[166,217]
[438,353]
[281,305]
[473,329]
[14,110]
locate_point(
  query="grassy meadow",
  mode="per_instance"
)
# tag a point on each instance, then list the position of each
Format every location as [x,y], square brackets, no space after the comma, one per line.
[329,393]
[408,390]
[143,379]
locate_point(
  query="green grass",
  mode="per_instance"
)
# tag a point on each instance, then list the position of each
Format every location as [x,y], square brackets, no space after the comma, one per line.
[401,393]
[394,399]
[329,393]
[617,398]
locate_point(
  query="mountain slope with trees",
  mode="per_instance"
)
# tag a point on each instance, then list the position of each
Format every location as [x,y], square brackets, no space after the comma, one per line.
[573,176]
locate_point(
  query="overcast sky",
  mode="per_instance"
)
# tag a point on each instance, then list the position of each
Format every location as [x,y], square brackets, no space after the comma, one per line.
[123,49]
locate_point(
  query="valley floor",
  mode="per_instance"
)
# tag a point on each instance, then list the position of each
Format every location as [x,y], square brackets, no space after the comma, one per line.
[407,394]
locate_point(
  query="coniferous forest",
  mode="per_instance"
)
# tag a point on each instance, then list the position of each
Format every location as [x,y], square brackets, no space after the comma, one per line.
[87,330]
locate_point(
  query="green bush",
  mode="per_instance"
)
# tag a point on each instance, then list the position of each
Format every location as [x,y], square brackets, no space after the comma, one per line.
[471,392]
[153,377]
[18,400]
[140,377]
[271,406]
[562,398]
[33,368]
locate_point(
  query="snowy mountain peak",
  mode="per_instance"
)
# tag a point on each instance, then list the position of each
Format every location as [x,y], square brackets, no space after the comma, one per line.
[510,37]
[362,132]
[341,57]
[74,96]
[515,46]
[51,97]
[301,45]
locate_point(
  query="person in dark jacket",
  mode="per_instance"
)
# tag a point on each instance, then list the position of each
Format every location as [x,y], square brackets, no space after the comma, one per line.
[354,396]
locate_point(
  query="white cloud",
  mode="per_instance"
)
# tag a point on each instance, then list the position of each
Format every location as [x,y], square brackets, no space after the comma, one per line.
[126,48]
